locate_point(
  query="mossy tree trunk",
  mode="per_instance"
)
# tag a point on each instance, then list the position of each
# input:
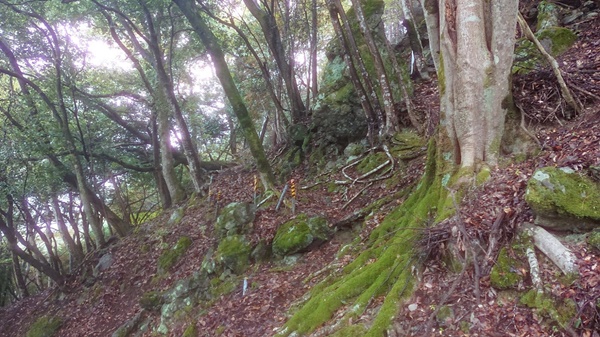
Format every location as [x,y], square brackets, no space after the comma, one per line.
[211,43]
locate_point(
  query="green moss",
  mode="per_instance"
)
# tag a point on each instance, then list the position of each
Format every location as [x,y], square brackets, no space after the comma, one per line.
[169,257]
[382,269]
[558,192]
[371,161]
[297,234]
[353,330]
[234,253]
[561,311]
[219,330]
[151,300]
[556,41]
[190,331]
[45,326]
[504,274]
[593,240]
[483,175]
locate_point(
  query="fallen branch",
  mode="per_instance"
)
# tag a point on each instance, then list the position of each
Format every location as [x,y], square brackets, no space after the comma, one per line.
[554,249]
[568,96]
[356,196]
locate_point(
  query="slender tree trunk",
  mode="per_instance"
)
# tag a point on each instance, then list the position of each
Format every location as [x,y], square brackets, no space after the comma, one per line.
[392,124]
[19,275]
[272,35]
[314,86]
[75,251]
[358,87]
[357,59]
[210,42]
[415,39]
[168,94]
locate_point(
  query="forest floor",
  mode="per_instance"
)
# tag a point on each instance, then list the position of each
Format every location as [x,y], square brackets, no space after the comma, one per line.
[97,309]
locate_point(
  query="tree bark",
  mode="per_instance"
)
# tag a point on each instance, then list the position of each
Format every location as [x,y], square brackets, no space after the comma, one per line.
[75,251]
[357,59]
[476,40]
[211,44]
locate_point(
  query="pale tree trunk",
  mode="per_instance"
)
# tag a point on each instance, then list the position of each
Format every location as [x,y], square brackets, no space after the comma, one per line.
[476,40]
[392,123]
[415,38]
[75,251]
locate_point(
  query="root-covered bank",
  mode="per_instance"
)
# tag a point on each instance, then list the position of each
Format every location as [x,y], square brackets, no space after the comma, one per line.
[384,270]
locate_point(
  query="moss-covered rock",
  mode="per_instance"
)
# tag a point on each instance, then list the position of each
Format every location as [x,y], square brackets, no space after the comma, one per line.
[298,234]
[235,219]
[506,272]
[151,300]
[190,331]
[593,240]
[561,310]
[169,257]
[563,199]
[234,253]
[556,40]
[45,326]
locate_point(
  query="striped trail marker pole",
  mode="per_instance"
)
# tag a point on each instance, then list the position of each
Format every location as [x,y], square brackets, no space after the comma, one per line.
[293,192]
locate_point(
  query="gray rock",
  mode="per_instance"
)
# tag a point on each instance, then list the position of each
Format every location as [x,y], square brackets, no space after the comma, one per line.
[103,264]
[235,219]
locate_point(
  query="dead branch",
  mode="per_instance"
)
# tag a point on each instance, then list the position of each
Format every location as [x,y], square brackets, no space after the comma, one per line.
[566,93]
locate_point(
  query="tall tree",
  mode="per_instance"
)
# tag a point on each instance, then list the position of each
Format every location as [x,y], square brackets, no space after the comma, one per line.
[211,43]
[268,23]
[476,43]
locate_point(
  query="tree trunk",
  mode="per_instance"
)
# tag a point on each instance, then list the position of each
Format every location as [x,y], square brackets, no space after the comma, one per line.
[211,44]
[19,275]
[392,123]
[476,40]
[75,251]
[344,41]
[271,32]
[357,59]
[168,94]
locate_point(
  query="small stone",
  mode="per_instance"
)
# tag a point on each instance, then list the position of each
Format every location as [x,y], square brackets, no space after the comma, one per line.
[413,307]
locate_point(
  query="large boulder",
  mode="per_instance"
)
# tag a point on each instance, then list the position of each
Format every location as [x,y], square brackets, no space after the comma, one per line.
[300,234]
[235,219]
[563,199]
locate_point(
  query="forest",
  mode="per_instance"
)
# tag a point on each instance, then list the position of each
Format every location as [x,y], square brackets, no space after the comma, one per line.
[299,168]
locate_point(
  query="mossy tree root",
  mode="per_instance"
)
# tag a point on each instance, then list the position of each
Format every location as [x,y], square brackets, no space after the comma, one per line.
[382,269]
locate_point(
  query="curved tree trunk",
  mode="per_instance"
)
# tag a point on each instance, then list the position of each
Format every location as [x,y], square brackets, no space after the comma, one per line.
[211,44]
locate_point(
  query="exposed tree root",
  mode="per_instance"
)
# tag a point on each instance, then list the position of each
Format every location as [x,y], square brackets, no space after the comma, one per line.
[383,269]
